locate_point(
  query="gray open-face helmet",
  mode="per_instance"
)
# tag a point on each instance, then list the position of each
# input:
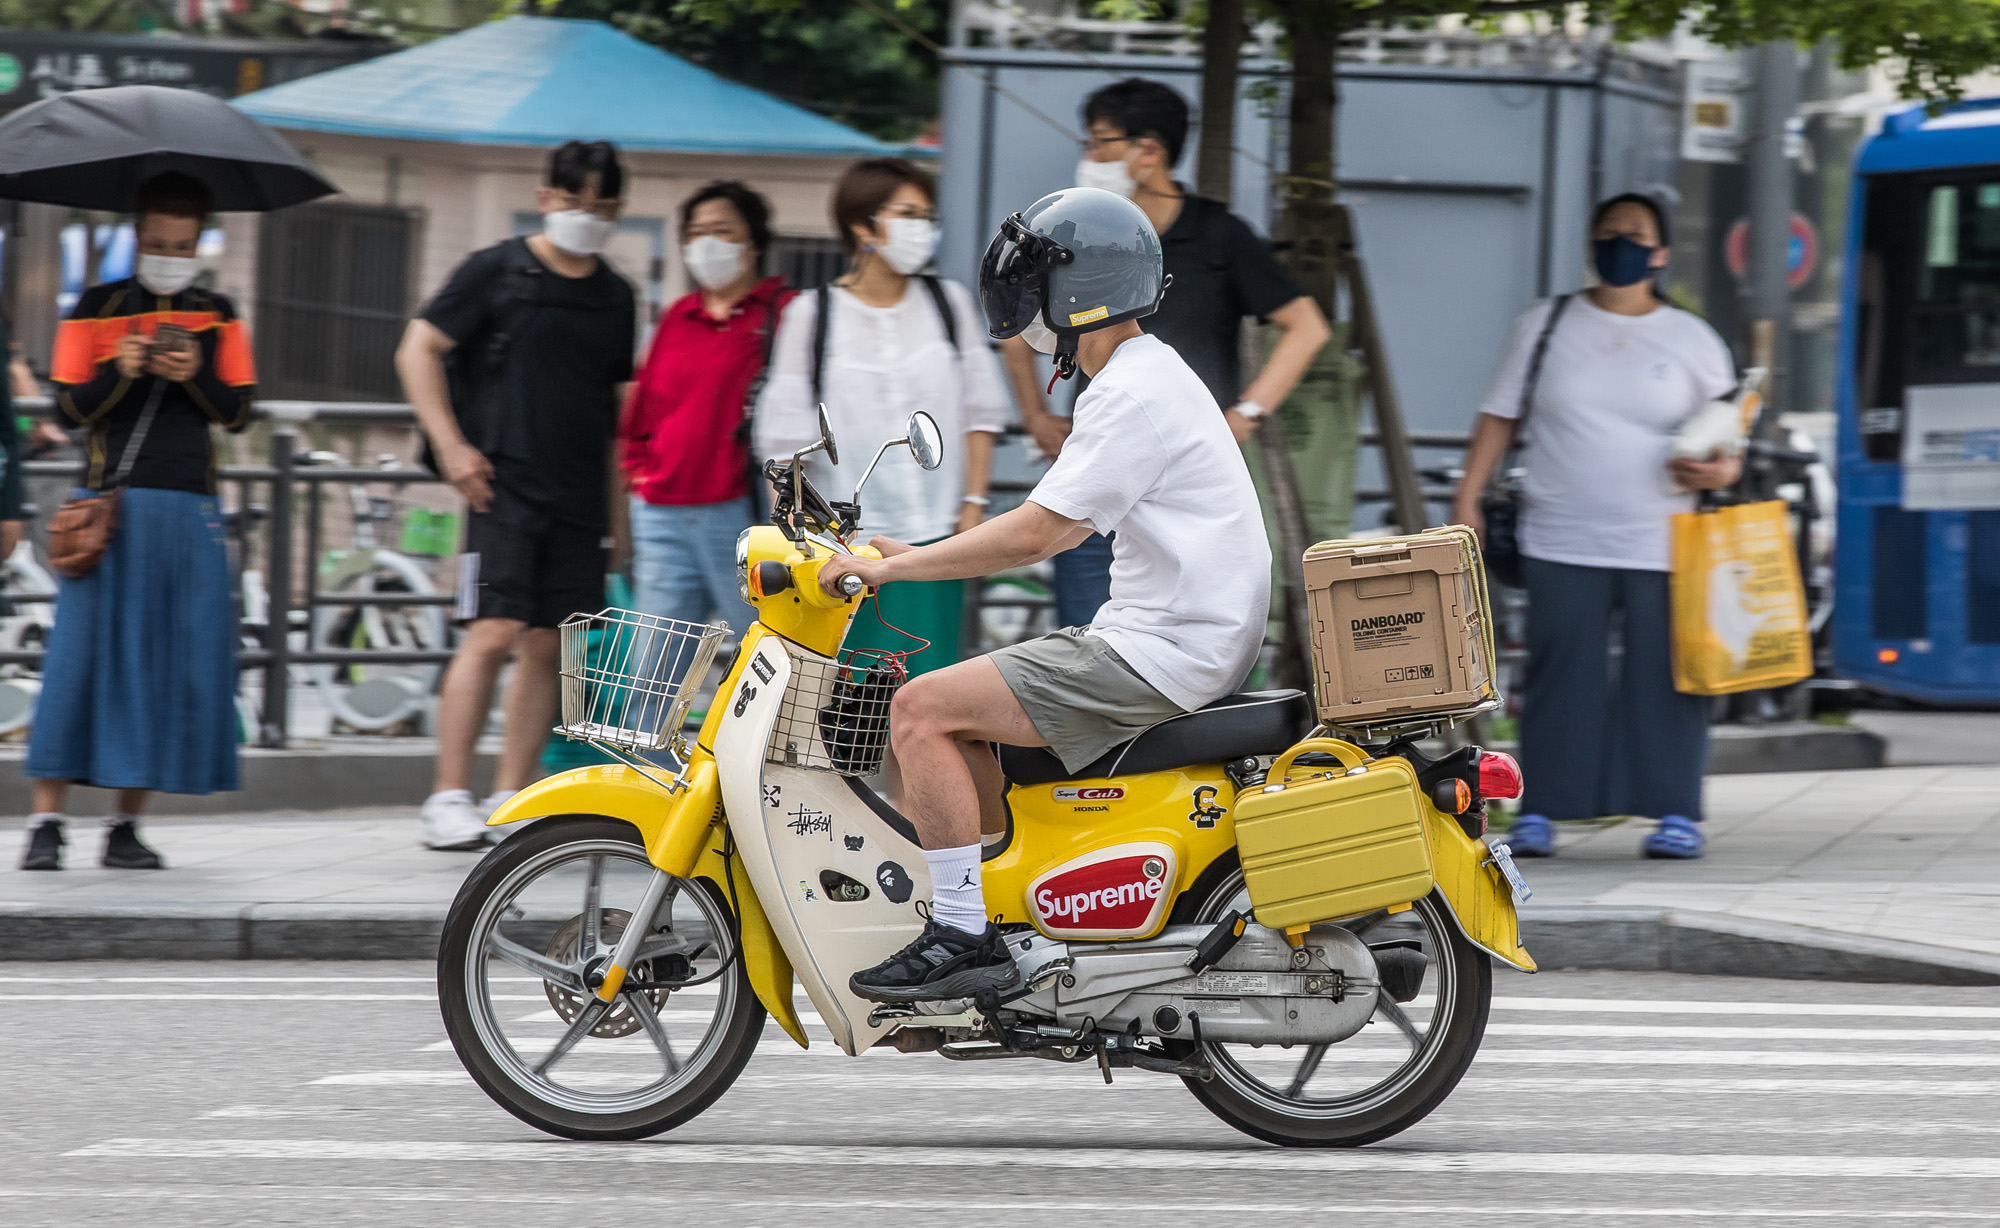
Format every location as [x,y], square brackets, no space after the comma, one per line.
[1079,259]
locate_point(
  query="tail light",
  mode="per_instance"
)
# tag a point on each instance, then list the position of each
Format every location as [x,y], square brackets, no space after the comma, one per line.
[1499,776]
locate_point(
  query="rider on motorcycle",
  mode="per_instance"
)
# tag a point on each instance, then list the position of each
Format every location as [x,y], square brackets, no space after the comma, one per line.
[1152,463]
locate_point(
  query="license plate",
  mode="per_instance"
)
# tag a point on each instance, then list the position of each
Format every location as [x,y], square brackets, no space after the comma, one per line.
[1504,858]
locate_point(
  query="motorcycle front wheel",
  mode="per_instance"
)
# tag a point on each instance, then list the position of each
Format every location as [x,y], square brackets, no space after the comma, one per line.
[1429,1018]
[527,939]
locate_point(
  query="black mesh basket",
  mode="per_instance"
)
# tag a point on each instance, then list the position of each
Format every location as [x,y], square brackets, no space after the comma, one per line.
[835,715]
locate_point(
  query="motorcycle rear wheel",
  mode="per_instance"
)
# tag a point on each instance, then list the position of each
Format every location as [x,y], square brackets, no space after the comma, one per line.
[540,909]
[1271,1093]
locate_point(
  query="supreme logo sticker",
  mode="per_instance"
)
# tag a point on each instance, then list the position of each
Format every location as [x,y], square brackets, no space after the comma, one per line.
[1121,891]
[1101,793]
[764,668]
[1086,317]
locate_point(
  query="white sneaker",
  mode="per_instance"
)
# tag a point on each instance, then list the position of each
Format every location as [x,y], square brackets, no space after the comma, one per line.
[451,821]
[495,835]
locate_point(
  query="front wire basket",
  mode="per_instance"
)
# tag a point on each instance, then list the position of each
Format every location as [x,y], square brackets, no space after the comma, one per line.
[629,678]
[835,715]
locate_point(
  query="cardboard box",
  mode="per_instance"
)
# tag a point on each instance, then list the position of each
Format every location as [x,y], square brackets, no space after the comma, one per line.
[1400,627]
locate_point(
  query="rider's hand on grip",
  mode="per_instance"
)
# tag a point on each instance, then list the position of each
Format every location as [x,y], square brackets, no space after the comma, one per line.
[852,585]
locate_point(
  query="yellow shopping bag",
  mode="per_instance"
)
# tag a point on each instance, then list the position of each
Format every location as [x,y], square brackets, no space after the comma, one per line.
[1739,607]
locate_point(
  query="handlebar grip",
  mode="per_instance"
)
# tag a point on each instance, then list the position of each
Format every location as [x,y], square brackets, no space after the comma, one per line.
[852,585]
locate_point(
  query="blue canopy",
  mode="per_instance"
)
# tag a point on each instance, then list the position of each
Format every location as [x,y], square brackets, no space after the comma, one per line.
[540,81]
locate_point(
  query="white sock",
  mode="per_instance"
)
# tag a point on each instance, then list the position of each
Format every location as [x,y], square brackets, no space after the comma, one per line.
[450,795]
[957,899]
[43,816]
[114,819]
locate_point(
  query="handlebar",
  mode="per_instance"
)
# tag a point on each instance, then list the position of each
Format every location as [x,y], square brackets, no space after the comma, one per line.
[852,585]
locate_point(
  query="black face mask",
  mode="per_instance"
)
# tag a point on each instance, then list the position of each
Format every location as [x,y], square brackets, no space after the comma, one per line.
[1621,261]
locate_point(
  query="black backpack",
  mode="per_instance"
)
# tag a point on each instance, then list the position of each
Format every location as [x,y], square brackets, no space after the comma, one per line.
[474,367]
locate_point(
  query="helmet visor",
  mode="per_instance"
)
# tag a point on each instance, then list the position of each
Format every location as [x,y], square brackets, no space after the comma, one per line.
[1010,279]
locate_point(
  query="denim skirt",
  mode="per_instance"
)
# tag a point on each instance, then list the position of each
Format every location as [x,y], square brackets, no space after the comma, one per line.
[139,685]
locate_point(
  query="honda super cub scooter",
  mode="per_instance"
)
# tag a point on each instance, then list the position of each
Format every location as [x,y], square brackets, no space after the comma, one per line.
[1302,928]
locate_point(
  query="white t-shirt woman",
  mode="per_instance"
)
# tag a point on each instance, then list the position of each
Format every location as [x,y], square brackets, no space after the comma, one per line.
[1622,372]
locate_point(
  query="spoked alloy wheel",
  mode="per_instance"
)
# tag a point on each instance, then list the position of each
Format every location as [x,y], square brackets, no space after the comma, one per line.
[523,950]
[1385,1078]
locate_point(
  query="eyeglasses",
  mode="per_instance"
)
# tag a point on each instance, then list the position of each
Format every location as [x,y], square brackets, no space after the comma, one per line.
[917,212]
[608,210]
[1091,144]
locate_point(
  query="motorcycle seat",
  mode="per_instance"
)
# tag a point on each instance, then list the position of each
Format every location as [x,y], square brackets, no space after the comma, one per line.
[1235,726]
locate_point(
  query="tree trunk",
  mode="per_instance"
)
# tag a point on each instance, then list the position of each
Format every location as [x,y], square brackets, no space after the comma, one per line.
[1221,51]
[1303,234]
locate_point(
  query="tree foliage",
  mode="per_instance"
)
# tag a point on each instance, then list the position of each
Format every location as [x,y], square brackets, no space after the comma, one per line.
[830,56]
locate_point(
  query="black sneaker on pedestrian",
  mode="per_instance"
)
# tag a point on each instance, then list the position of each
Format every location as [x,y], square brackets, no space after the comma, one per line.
[45,845]
[122,850]
[944,962]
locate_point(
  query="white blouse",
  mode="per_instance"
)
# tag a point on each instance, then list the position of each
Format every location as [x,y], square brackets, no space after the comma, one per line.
[882,364]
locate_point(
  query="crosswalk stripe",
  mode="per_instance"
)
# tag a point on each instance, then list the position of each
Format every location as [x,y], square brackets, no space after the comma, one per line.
[1724,1032]
[781,1156]
[819,1203]
[1651,1006]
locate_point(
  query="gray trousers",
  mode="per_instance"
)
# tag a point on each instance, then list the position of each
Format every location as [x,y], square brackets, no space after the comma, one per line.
[1598,740]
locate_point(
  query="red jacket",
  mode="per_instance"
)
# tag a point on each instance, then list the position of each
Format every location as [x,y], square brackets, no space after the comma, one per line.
[681,441]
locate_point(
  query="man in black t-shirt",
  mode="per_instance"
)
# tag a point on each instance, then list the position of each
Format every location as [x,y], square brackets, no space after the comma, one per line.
[517,370]
[1222,273]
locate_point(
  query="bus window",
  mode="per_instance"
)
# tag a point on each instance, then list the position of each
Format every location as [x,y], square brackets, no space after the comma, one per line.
[1955,315]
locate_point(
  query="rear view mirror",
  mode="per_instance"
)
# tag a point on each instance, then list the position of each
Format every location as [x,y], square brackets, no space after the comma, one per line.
[826,437]
[925,440]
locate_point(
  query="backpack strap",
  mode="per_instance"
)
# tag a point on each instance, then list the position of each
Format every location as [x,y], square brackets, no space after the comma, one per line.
[823,304]
[945,314]
[513,298]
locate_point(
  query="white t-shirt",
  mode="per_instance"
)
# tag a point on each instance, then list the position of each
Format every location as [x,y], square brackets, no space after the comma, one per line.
[1612,391]
[1152,461]
[882,363]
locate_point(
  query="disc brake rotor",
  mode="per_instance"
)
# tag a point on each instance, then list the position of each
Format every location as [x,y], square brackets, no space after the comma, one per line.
[619,1020]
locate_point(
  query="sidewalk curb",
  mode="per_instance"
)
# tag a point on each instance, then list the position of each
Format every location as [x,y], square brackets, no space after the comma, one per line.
[1715,944]
[1558,936]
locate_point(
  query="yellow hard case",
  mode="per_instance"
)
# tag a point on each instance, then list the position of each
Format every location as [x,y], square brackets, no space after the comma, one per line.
[1335,843]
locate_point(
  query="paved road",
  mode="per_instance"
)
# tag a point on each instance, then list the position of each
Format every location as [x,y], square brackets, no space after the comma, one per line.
[313,1093]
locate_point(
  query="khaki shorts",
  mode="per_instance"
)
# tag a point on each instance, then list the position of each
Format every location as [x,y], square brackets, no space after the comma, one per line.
[1080,694]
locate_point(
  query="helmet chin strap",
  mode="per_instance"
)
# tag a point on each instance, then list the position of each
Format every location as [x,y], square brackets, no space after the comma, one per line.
[1065,357]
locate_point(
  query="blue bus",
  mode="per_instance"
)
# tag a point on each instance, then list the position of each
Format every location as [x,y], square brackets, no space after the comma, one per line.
[1917,555]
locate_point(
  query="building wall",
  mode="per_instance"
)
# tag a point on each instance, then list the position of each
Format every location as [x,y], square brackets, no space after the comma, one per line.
[468,196]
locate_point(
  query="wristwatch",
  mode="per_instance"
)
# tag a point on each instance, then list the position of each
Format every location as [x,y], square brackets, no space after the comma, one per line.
[1249,409]
[978,500]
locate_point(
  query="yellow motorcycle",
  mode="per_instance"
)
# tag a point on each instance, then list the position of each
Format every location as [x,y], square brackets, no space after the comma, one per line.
[1301,927]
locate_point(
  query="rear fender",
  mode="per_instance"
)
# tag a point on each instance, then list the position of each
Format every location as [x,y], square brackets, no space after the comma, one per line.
[684,834]
[1475,891]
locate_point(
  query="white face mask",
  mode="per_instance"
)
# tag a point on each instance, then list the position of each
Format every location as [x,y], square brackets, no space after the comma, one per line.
[912,243]
[168,275]
[1110,176]
[715,262]
[1039,336]
[577,232]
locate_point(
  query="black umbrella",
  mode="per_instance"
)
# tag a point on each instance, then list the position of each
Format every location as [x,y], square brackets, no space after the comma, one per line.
[93,148]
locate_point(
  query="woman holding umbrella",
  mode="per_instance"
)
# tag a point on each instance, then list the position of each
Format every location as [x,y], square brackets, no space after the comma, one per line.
[138,688]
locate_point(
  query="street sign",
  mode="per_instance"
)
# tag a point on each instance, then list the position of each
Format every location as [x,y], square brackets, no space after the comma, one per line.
[1712,111]
[38,64]
[1801,251]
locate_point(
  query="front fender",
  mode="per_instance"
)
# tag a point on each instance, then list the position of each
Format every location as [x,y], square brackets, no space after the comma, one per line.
[1477,893]
[684,834]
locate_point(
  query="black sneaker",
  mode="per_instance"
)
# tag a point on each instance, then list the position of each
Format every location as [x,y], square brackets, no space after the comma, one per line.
[944,962]
[45,845]
[122,850]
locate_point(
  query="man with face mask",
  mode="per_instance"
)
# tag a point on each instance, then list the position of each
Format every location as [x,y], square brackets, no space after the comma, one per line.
[516,371]
[1222,274]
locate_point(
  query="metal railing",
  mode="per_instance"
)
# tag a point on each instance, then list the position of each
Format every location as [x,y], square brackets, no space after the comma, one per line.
[286,479]
[283,475]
